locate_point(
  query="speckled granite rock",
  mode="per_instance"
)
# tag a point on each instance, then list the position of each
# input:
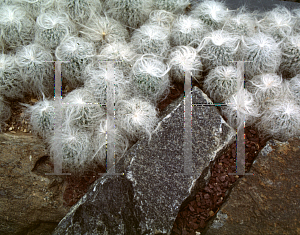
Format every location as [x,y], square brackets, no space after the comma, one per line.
[147,198]
[30,203]
[267,202]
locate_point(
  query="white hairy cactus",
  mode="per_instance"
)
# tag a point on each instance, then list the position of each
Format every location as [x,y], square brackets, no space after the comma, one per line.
[73,147]
[212,13]
[52,28]
[265,87]
[100,140]
[41,117]
[281,119]
[279,23]
[17,27]
[136,117]
[290,62]
[262,53]
[161,18]
[120,53]
[80,109]
[97,80]
[294,86]
[36,72]
[102,30]
[242,23]
[221,83]
[150,78]
[242,107]
[79,52]
[150,39]
[35,7]
[182,59]
[11,82]
[174,6]
[186,30]
[129,13]
[79,10]
[296,14]
[218,48]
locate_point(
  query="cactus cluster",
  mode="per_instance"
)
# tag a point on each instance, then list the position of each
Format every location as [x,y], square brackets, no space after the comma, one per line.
[150,44]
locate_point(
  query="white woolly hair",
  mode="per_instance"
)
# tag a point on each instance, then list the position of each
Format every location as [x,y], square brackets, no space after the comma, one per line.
[161,18]
[221,83]
[136,117]
[37,73]
[53,20]
[102,30]
[187,27]
[97,80]
[242,23]
[81,109]
[185,58]
[5,111]
[266,86]
[150,38]
[294,86]
[213,13]
[263,51]
[15,16]
[41,117]
[280,120]
[75,46]
[215,40]
[241,107]
[73,147]
[278,22]
[174,6]
[100,140]
[11,82]
[149,64]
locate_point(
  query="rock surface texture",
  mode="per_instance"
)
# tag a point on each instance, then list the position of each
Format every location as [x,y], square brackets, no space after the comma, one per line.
[147,197]
[30,203]
[266,202]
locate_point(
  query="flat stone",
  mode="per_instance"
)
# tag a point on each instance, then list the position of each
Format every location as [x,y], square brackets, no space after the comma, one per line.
[266,202]
[147,197]
[30,203]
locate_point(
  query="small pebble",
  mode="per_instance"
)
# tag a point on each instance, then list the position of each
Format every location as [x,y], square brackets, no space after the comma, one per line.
[10,128]
[13,132]
[25,130]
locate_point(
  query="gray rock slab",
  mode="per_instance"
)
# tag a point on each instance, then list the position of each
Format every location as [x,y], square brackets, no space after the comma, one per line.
[147,197]
[267,202]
